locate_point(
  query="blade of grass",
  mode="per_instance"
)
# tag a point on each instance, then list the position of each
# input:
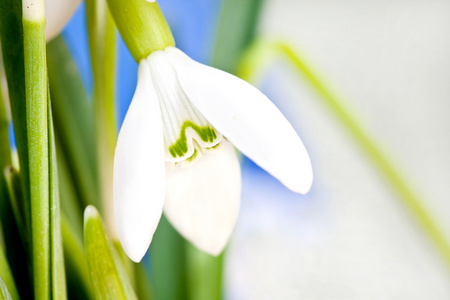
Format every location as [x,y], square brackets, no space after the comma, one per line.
[108,275]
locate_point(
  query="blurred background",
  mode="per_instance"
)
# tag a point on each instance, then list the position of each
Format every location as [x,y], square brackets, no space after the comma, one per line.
[351,237]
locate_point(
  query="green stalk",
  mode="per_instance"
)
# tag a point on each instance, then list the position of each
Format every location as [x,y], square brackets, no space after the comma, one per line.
[168,262]
[236,31]
[74,123]
[398,182]
[102,42]
[58,273]
[37,125]
[205,274]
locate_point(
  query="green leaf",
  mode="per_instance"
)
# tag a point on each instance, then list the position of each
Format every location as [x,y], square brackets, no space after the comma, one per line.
[108,275]
[58,283]
[6,279]
[11,33]
[74,122]
[236,31]
[4,294]
[78,279]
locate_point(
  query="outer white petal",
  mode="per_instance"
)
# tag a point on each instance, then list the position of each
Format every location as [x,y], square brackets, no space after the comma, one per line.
[247,118]
[57,14]
[202,198]
[139,170]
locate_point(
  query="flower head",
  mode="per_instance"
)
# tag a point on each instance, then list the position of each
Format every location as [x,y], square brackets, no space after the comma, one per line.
[175,151]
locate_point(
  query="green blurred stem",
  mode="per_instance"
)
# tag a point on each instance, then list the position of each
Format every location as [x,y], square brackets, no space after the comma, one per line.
[37,124]
[6,275]
[204,274]
[368,144]
[102,42]
[77,269]
[74,123]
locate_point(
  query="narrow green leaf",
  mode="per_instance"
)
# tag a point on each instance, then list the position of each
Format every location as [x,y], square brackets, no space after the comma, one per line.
[58,283]
[11,33]
[108,275]
[6,279]
[4,293]
[74,122]
[236,31]
[78,278]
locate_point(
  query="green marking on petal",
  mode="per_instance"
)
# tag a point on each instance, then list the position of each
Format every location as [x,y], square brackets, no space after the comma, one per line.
[180,147]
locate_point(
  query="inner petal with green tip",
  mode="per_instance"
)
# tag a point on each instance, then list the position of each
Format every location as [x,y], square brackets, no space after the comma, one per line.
[182,122]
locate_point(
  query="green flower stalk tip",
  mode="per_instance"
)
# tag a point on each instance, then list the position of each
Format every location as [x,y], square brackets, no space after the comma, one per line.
[142,26]
[172,153]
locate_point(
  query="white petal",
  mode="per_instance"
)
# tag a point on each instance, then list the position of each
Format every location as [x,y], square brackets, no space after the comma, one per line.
[247,118]
[139,170]
[202,197]
[57,14]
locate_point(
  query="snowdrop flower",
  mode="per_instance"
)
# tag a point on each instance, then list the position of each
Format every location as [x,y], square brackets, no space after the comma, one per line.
[57,14]
[175,148]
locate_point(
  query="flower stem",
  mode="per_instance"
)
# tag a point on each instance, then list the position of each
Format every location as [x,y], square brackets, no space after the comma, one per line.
[102,42]
[142,26]
[37,125]
[407,195]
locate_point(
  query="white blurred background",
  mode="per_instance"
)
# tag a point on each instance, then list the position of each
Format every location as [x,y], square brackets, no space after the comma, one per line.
[351,237]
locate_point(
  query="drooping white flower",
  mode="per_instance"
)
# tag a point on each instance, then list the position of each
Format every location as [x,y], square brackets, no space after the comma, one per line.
[175,152]
[57,14]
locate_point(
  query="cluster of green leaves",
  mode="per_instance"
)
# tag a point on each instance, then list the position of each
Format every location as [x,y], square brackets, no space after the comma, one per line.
[49,249]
